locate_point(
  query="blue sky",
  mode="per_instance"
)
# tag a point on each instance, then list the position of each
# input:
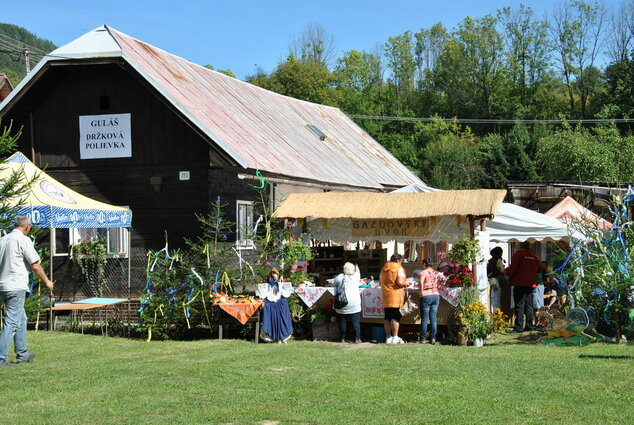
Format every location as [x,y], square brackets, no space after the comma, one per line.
[242,34]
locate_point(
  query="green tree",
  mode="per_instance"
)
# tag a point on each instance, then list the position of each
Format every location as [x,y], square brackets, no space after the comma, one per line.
[399,53]
[577,154]
[359,83]
[301,79]
[470,70]
[577,33]
[520,150]
[448,160]
[15,40]
[13,188]
[618,99]
[526,55]
[491,156]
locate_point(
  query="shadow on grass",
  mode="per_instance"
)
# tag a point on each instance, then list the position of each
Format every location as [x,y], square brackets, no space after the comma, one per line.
[529,337]
[599,356]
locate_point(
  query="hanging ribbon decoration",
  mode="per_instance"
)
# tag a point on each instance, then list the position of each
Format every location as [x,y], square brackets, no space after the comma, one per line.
[202,284]
[264,182]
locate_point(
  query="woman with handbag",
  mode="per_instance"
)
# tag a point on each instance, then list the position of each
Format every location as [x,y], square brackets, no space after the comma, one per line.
[429,300]
[348,300]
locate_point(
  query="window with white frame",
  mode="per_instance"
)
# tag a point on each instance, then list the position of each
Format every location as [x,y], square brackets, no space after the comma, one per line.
[116,240]
[244,224]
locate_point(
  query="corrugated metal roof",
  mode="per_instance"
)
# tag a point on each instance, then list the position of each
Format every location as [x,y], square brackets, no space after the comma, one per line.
[258,128]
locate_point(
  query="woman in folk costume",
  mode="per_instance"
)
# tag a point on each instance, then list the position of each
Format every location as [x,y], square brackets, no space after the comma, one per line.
[276,316]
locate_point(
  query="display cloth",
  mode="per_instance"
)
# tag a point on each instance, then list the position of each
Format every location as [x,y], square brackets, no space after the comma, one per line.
[311,294]
[50,204]
[242,312]
[371,306]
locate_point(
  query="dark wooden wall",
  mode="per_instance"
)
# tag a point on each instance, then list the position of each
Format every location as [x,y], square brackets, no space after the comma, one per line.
[162,145]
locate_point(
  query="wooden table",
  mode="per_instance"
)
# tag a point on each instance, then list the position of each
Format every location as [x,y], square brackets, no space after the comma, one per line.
[83,305]
[243,313]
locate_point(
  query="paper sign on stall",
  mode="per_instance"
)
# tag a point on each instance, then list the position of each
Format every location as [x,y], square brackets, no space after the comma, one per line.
[371,306]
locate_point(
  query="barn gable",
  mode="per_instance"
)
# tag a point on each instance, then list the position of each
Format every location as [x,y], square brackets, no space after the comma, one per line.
[256,128]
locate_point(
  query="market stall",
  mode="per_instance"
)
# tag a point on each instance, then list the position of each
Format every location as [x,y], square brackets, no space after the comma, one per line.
[50,204]
[386,217]
[569,210]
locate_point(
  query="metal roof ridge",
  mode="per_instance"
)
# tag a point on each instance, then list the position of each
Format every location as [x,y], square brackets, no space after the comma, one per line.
[224,75]
[186,112]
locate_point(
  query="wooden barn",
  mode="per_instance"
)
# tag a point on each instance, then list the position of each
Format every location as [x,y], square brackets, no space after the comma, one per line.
[127,123]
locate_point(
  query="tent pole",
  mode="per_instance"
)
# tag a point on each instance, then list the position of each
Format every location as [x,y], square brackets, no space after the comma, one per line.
[129,273]
[472,236]
[50,273]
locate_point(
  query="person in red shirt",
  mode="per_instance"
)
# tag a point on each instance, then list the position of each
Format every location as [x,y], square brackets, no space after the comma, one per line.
[523,276]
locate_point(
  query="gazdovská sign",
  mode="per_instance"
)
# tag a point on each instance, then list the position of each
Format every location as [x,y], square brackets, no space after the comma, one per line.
[105,136]
[391,227]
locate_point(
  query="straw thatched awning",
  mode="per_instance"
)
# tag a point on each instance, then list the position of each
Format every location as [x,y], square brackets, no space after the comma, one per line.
[369,205]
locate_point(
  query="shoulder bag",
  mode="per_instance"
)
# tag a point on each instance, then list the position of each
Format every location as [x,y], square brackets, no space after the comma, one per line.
[410,306]
[341,300]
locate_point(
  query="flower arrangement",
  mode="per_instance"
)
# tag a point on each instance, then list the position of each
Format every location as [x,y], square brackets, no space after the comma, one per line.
[299,275]
[296,257]
[464,251]
[460,276]
[479,322]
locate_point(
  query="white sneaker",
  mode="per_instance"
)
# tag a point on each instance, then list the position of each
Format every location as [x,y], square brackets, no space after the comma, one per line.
[397,340]
[389,340]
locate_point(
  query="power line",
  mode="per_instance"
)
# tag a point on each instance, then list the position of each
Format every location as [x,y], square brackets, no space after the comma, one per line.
[492,121]
[21,44]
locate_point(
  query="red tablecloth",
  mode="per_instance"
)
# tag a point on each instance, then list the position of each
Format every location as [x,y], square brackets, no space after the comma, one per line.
[242,312]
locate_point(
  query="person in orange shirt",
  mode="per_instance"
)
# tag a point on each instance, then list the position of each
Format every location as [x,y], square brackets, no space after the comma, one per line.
[393,285]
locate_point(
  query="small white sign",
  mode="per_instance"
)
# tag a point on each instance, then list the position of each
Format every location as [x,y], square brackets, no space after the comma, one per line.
[105,136]
[183,175]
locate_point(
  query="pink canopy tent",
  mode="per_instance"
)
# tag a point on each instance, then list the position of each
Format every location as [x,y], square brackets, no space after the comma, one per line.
[570,210]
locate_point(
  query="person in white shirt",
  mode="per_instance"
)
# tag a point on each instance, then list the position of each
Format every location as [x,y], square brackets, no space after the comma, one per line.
[17,255]
[349,281]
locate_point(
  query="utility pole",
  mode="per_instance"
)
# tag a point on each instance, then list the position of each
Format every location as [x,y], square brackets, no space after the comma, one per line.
[19,54]
[27,60]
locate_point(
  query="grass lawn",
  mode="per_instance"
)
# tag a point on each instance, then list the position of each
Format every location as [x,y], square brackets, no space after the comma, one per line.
[83,379]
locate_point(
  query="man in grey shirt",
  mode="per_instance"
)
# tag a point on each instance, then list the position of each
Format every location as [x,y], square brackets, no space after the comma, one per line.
[17,255]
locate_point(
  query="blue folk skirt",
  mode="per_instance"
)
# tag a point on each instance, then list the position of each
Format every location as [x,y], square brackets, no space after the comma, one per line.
[276,320]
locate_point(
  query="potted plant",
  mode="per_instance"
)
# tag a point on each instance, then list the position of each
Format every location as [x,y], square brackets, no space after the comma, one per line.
[464,251]
[479,323]
[90,254]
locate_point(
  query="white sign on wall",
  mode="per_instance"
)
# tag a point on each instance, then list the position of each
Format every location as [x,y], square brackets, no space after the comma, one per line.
[105,136]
